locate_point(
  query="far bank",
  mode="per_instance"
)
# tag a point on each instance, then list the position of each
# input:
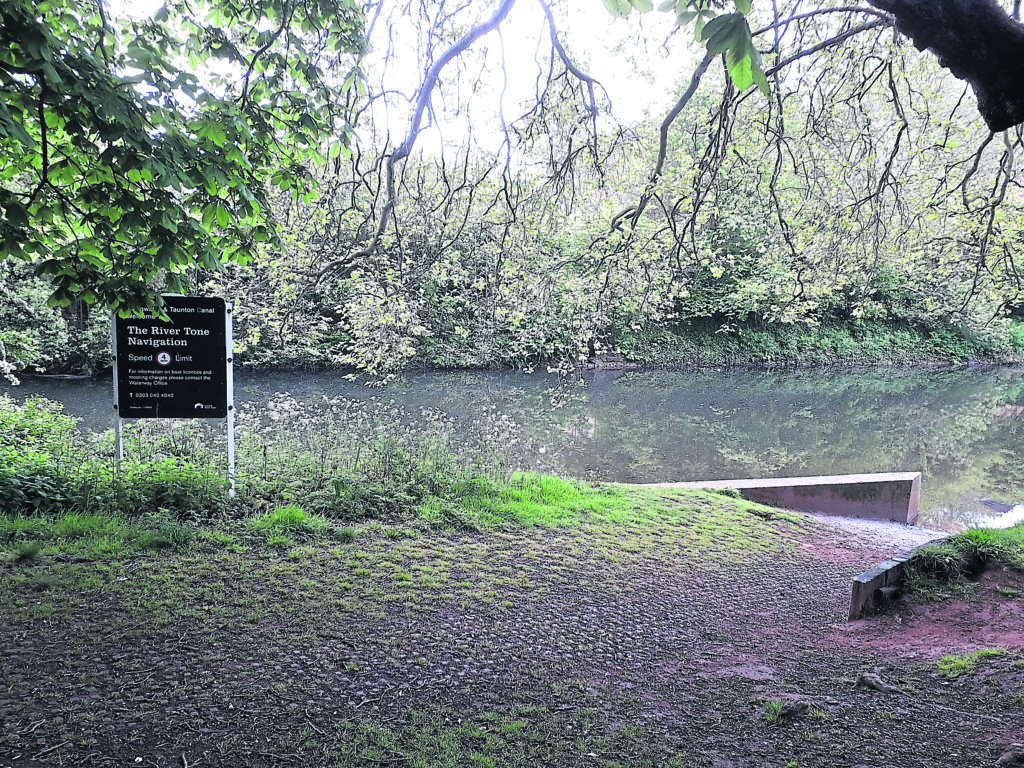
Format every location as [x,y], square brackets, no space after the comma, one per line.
[57,341]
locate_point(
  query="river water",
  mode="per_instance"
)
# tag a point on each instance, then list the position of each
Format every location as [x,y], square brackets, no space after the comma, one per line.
[961,428]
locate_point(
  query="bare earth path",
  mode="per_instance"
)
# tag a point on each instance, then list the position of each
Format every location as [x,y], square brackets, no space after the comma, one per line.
[636,645]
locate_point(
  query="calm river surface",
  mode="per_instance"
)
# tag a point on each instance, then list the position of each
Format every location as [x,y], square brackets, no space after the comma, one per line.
[962,428]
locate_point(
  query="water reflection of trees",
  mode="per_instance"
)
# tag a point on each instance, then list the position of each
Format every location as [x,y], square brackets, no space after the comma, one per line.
[959,427]
[962,428]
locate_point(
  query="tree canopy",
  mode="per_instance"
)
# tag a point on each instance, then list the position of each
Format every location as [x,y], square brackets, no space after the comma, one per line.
[855,180]
[131,148]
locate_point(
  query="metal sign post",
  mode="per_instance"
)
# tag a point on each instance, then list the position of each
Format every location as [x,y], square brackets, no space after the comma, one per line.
[229,356]
[181,368]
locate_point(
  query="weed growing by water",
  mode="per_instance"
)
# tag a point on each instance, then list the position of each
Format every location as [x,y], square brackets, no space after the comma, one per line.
[938,570]
[986,545]
[943,561]
[934,571]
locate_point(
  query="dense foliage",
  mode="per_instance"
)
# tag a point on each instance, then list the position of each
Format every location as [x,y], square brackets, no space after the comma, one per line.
[864,196]
[347,460]
[118,166]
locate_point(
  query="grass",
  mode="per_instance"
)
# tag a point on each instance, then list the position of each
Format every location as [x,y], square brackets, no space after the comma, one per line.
[773,711]
[541,501]
[956,666]
[90,536]
[287,519]
[940,570]
[990,545]
[27,550]
[528,500]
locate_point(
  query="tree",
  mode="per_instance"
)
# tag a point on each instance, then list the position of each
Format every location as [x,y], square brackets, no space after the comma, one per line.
[612,232]
[978,42]
[119,165]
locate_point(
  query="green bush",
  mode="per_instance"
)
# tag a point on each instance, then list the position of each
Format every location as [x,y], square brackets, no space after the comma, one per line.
[30,483]
[181,489]
[37,425]
[1016,331]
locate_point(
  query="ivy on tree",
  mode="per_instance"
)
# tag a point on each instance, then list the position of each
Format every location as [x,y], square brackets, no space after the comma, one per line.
[131,149]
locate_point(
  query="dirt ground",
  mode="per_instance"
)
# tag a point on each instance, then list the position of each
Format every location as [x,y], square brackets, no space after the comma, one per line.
[536,648]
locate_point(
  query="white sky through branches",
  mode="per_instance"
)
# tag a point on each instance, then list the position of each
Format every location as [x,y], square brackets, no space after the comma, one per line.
[626,55]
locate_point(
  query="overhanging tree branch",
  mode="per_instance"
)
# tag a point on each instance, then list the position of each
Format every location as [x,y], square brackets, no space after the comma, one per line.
[634,212]
[978,42]
[404,149]
[832,41]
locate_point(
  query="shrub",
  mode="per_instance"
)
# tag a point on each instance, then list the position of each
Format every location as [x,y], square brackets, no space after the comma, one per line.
[37,425]
[29,483]
[168,484]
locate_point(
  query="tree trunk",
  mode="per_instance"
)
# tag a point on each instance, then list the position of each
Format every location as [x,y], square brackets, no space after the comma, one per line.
[975,40]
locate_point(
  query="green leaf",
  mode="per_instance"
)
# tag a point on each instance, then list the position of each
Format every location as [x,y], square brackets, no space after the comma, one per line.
[743,6]
[642,5]
[724,41]
[668,5]
[759,77]
[725,23]
[50,74]
[16,215]
[740,70]
[618,8]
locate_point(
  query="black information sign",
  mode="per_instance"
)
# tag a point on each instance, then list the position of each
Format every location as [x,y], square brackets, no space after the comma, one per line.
[176,369]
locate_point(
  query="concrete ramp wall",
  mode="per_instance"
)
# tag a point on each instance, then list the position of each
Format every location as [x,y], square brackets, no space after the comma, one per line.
[884,496]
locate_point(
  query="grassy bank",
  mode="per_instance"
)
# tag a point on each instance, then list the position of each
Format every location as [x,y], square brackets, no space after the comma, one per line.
[288,638]
[397,606]
[707,343]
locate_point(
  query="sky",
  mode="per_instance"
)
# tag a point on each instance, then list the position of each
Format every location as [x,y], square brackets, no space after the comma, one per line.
[625,55]
[637,75]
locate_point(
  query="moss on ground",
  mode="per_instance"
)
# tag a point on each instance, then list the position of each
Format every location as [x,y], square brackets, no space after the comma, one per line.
[637,626]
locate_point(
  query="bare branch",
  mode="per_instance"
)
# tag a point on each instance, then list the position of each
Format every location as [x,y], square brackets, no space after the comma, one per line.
[403,150]
[832,41]
[811,14]
[634,212]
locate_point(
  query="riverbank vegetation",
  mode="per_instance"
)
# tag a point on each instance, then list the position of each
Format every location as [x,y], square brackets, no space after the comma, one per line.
[301,475]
